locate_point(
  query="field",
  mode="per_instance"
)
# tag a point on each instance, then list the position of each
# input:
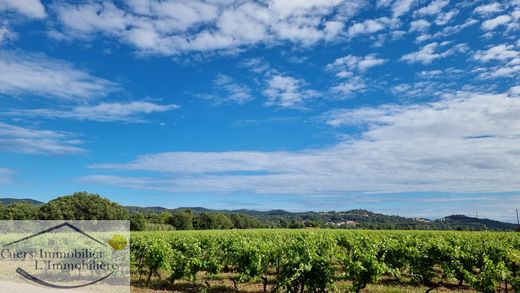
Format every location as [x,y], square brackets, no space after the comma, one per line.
[325,261]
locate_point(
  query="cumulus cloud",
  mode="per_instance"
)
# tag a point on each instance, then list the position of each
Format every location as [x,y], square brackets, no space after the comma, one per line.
[446,17]
[498,52]
[350,69]
[400,7]
[130,112]
[430,53]
[414,148]
[353,63]
[174,27]
[27,140]
[29,8]
[507,57]
[447,30]
[434,8]
[419,25]
[492,24]
[281,89]
[349,87]
[24,74]
[368,26]
[287,92]
[490,8]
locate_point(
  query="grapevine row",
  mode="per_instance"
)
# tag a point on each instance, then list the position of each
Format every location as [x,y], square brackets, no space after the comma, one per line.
[312,261]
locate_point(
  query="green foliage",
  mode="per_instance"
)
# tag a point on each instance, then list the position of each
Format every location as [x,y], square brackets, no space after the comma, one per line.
[307,264]
[181,220]
[19,211]
[137,222]
[241,221]
[212,221]
[82,206]
[363,262]
[311,260]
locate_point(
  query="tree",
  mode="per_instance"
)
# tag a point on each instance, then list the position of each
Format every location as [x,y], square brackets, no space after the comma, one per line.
[163,217]
[181,220]
[137,222]
[83,206]
[3,215]
[241,221]
[222,221]
[21,211]
[208,221]
[203,221]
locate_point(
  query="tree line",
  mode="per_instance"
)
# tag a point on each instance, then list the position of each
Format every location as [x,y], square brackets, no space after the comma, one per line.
[87,206]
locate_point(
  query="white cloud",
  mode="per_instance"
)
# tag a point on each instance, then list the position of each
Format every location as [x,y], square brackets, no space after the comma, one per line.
[257,65]
[104,112]
[287,92]
[345,67]
[430,73]
[434,8]
[36,141]
[27,74]
[281,90]
[400,7]
[349,87]
[449,73]
[453,29]
[492,24]
[232,91]
[447,30]
[333,29]
[445,17]
[383,3]
[419,25]
[368,26]
[93,17]
[490,8]
[353,63]
[507,57]
[29,8]
[432,147]
[498,52]
[173,27]
[5,34]
[430,53]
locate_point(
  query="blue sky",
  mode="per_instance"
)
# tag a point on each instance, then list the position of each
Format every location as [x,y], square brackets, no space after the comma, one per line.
[403,107]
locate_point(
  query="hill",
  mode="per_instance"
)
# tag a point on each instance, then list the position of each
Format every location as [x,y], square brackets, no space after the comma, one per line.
[455,221]
[358,219]
[352,219]
[9,201]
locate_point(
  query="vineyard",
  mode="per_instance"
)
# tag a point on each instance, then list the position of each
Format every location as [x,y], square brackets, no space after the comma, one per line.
[328,260]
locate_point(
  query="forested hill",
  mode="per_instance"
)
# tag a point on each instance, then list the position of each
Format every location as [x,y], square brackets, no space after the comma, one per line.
[360,219]
[83,205]
[9,201]
[476,224]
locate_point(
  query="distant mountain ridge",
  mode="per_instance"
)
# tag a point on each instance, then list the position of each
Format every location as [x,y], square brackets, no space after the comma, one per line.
[9,201]
[476,223]
[356,218]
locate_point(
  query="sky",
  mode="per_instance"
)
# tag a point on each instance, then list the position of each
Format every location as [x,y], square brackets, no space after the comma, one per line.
[406,107]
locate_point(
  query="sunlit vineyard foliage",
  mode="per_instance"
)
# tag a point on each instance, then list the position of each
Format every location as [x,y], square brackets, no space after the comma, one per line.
[317,260]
